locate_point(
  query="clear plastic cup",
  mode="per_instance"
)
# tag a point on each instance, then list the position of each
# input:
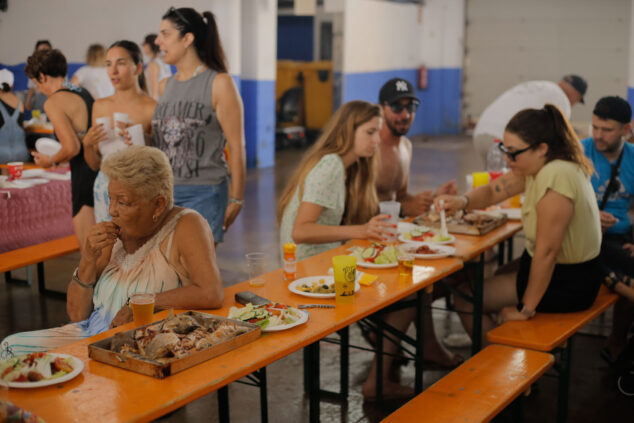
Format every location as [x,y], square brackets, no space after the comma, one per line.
[256,268]
[393,209]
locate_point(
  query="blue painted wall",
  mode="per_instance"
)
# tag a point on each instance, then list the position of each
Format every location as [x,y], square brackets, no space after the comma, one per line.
[439,111]
[21,79]
[630,96]
[295,38]
[258,97]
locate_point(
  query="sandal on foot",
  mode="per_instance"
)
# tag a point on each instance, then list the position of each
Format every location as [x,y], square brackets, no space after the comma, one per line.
[611,279]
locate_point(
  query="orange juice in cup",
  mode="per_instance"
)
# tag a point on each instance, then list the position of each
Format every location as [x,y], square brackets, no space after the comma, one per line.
[142,306]
[480,178]
[516,201]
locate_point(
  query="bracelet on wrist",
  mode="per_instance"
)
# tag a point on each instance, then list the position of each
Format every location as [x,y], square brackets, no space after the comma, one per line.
[236,201]
[466,201]
[79,282]
[525,311]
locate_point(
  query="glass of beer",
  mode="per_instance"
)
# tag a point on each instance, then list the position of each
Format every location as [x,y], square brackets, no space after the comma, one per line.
[405,259]
[345,269]
[142,308]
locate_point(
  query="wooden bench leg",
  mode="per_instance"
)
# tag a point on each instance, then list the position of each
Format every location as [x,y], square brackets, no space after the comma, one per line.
[478,294]
[313,381]
[261,375]
[223,404]
[420,342]
[564,383]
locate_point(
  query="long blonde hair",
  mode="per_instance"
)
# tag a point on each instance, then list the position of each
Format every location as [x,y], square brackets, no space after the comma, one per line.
[338,137]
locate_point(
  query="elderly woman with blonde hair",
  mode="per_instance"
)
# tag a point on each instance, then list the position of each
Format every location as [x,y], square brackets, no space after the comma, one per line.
[150,246]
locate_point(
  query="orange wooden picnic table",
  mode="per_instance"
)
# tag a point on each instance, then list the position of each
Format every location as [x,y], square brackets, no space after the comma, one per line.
[107,394]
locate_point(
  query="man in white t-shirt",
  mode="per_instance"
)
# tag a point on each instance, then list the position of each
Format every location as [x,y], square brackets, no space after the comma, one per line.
[527,95]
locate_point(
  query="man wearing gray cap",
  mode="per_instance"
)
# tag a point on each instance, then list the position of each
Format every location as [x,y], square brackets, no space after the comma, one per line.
[613,183]
[527,95]
[398,100]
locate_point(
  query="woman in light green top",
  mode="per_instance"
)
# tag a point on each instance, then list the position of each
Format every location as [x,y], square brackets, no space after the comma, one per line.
[560,270]
[335,181]
[332,198]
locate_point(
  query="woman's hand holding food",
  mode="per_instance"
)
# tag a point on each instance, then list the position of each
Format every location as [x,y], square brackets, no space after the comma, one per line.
[102,235]
[451,203]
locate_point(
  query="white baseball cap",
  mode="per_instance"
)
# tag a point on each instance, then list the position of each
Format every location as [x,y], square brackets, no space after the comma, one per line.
[6,76]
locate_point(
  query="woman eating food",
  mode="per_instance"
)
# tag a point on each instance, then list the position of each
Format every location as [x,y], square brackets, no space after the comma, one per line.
[150,246]
[559,271]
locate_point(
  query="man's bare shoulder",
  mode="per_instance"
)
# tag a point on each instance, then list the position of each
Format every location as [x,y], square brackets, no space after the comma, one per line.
[405,142]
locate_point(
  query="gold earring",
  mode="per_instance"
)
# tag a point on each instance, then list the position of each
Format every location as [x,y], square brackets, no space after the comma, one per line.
[154,218]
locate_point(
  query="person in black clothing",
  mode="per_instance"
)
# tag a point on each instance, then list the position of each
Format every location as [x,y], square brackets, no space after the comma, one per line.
[69,109]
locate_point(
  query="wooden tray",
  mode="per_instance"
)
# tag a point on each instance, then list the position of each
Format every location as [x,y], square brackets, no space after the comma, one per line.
[100,351]
[462,227]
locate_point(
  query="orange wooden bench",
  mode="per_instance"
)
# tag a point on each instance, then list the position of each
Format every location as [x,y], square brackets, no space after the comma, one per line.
[478,389]
[553,332]
[37,254]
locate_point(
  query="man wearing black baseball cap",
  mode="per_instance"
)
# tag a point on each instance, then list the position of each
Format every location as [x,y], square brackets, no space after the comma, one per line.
[613,183]
[527,95]
[398,100]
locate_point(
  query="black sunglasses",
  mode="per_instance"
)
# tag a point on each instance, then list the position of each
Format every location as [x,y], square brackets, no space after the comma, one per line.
[512,155]
[397,107]
[179,14]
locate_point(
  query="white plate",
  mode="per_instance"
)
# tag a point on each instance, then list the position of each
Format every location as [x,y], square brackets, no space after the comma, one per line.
[78,366]
[370,265]
[328,280]
[403,227]
[443,250]
[32,173]
[451,239]
[298,322]
[47,146]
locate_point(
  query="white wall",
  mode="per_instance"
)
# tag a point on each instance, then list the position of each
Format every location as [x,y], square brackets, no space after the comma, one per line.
[630,79]
[442,33]
[259,39]
[71,25]
[380,35]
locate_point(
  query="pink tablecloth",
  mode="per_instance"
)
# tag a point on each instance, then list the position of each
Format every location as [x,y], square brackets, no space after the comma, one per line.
[34,215]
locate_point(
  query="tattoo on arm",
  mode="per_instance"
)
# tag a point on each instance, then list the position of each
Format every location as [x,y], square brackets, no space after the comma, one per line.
[497,187]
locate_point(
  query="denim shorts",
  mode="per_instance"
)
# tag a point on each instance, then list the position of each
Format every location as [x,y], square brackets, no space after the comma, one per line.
[209,200]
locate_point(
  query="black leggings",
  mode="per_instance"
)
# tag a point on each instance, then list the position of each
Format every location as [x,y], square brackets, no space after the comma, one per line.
[573,287]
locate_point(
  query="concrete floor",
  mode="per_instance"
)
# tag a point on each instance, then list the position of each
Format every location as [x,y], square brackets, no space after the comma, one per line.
[593,394]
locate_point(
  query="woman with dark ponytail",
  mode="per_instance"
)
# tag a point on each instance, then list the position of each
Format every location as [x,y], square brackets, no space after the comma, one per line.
[559,271]
[200,111]
[124,63]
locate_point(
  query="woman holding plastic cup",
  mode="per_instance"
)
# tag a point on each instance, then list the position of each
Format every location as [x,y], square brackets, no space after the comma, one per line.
[69,109]
[124,64]
[559,271]
[150,246]
[332,198]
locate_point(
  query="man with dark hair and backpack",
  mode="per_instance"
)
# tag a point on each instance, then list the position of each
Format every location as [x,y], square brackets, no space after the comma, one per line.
[613,183]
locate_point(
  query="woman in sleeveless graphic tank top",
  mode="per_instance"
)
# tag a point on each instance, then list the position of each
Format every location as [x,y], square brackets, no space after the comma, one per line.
[200,111]
[69,109]
[125,69]
[150,246]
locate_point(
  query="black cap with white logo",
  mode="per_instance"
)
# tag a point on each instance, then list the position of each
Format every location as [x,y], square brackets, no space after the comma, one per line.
[578,83]
[396,89]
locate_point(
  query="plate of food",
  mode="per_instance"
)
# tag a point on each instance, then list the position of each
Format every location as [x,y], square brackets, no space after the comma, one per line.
[47,146]
[316,287]
[428,235]
[36,370]
[425,250]
[376,256]
[271,317]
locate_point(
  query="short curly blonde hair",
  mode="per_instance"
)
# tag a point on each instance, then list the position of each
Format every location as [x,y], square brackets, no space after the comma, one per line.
[146,170]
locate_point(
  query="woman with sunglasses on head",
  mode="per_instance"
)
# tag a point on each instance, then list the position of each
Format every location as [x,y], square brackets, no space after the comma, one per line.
[200,111]
[69,108]
[559,271]
[124,64]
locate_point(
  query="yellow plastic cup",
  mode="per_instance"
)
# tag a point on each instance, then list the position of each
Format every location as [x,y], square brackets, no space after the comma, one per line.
[516,201]
[345,269]
[480,178]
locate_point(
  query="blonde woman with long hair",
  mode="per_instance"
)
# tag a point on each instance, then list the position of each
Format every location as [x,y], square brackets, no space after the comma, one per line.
[332,198]
[335,182]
